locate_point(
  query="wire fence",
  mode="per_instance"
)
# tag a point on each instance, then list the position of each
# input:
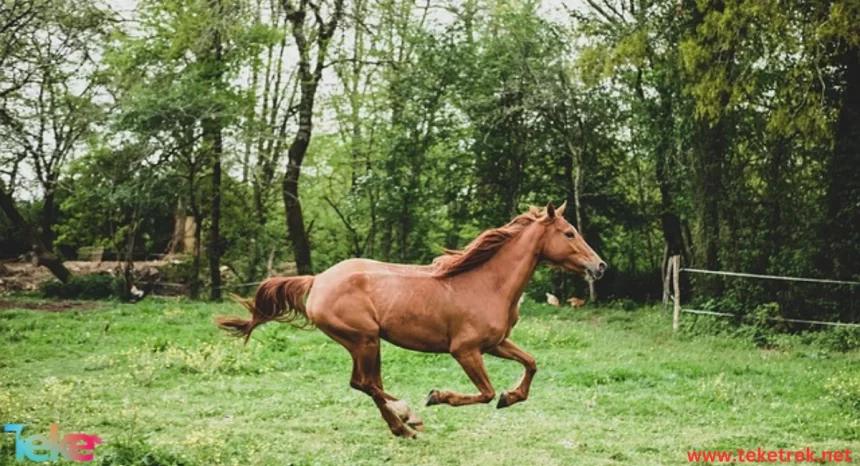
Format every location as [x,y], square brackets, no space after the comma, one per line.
[773,319]
[770,277]
[238,285]
[225,286]
[851,284]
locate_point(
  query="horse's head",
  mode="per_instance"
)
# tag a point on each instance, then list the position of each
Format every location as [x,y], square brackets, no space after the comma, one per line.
[564,247]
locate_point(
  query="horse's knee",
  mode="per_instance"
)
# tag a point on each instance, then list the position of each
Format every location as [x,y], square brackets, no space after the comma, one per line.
[368,388]
[487,395]
[531,366]
[360,386]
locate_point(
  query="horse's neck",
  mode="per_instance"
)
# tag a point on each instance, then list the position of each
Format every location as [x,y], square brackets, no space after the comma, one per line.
[511,268]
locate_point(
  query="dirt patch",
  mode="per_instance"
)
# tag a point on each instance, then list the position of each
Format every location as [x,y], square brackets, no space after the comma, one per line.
[21,276]
[48,306]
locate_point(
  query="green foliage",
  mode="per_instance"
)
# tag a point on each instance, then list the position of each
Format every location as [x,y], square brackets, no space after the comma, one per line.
[839,338]
[126,203]
[727,129]
[96,286]
[180,270]
[765,333]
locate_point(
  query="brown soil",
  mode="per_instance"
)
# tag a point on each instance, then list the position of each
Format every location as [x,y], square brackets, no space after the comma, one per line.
[48,306]
[24,276]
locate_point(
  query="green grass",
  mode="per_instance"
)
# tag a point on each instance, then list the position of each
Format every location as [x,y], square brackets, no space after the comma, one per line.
[161,385]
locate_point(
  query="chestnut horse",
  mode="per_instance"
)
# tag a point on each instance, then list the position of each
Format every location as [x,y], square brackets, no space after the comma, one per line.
[465,304]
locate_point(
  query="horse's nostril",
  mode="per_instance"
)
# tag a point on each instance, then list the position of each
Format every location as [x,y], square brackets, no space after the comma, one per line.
[601,266]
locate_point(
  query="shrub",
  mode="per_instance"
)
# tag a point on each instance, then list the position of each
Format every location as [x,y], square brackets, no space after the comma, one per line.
[52,289]
[623,304]
[180,270]
[840,338]
[98,286]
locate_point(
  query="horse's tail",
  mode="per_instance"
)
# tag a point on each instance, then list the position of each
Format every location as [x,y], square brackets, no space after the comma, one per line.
[280,299]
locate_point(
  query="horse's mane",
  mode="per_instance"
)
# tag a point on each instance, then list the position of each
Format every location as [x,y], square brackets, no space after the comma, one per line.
[482,248]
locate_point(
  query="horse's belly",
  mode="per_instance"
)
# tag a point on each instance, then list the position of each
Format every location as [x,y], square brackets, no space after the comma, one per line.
[417,331]
[424,343]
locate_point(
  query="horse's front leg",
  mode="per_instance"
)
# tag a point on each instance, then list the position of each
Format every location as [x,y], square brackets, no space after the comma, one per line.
[508,350]
[473,364]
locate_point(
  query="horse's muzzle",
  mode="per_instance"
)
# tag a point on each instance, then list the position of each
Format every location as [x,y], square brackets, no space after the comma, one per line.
[595,271]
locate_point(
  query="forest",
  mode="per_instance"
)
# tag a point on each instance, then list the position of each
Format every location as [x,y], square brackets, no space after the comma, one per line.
[307,132]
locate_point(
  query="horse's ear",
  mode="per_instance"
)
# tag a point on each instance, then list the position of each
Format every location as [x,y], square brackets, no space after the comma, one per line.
[550,210]
[560,210]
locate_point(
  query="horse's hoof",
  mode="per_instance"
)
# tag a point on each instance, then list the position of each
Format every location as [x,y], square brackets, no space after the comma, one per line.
[432,398]
[503,401]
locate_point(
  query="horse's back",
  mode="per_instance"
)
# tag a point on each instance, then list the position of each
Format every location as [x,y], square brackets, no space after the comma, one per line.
[400,303]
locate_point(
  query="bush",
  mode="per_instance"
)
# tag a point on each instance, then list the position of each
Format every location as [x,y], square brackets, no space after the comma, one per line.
[840,338]
[52,289]
[99,286]
[622,304]
[180,270]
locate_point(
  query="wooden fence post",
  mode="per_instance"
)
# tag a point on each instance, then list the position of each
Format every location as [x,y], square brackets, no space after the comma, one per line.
[676,277]
[667,283]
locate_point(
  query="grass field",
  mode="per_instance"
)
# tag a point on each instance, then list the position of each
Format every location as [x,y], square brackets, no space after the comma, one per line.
[161,386]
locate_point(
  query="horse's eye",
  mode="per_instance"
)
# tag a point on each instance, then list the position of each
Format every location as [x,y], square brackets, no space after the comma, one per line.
[569,234]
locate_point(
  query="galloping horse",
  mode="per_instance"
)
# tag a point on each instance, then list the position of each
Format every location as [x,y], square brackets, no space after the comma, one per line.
[465,304]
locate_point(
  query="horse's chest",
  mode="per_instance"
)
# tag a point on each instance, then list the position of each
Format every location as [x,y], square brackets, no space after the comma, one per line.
[502,320]
[513,318]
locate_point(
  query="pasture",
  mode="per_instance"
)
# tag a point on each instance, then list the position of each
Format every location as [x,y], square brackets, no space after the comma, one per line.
[162,386]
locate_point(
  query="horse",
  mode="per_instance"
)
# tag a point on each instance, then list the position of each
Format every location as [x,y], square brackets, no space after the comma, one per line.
[465,303]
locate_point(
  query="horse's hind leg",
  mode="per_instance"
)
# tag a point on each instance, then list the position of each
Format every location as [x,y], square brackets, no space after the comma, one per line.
[367,377]
[508,350]
[473,364]
[358,332]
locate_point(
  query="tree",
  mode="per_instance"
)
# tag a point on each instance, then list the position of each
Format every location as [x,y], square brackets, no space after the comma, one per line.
[269,112]
[43,256]
[310,73]
[212,127]
[48,83]
[843,168]
[173,81]
[124,205]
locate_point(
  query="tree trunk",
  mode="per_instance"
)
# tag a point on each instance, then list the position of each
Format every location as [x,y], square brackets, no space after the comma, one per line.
[295,218]
[710,145]
[44,256]
[195,263]
[774,193]
[128,269]
[177,241]
[580,222]
[666,273]
[212,128]
[48,218]
[386,241]
[676,284]
[214,251]
[843,175]
[574,173]
[710,148]
[670,221]
[298,148]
